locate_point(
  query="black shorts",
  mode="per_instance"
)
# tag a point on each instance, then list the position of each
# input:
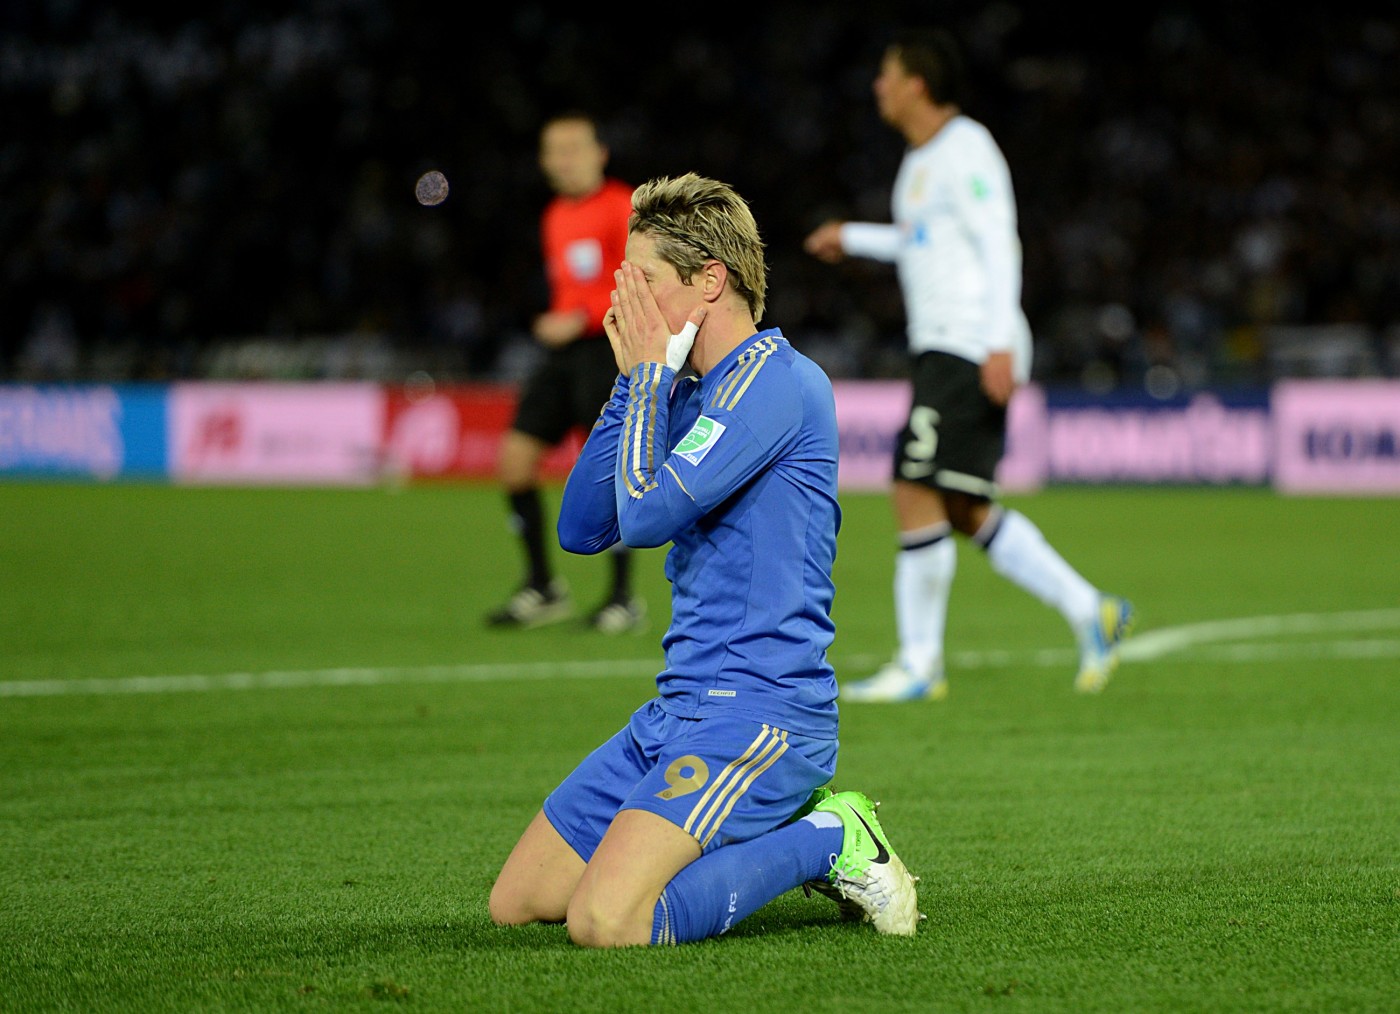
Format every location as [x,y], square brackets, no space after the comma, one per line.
[568,389]
[955,436]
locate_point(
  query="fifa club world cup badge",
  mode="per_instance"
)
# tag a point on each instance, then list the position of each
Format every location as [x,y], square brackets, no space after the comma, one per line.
[697,443]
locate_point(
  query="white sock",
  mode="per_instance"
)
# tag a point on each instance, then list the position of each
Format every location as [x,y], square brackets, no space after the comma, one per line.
[1019,552]
[923,577]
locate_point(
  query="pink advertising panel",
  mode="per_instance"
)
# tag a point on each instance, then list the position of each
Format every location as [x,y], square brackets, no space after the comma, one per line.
[1337,436]
[1023,469]
[1205,441]
[870,414]
[295,433]
[455,433]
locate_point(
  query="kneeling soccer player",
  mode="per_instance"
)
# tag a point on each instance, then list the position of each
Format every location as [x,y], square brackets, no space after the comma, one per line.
[711,801]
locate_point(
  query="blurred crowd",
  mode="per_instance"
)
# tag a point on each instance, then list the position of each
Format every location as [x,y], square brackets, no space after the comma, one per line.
[1208,195]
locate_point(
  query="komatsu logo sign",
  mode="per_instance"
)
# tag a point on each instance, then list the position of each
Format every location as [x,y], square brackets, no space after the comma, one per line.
[1337,436]
[1351,443]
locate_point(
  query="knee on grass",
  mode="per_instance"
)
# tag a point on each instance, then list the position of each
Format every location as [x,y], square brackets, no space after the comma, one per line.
[594,925]
[508,907]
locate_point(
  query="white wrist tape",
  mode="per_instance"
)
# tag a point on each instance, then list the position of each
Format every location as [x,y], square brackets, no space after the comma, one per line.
[678,347]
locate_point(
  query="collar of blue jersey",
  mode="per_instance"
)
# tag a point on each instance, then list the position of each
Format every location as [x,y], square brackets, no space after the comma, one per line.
[726,364]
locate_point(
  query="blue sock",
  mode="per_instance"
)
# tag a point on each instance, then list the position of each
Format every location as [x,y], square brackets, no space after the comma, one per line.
[722,887]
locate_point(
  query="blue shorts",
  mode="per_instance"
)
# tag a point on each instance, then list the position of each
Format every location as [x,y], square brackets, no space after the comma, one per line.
[721,780]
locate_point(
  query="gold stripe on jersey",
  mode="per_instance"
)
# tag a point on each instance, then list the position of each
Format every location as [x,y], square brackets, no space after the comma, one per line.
[733,782]
[629,425]
[745,369]
[639,427]
[667,466]
[741,365]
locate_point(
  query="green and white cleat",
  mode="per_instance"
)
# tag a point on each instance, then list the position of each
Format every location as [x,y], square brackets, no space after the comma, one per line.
[811,804]
[1099,642]
[867,880]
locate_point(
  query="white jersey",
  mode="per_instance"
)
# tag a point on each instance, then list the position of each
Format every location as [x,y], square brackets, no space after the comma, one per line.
[955,241]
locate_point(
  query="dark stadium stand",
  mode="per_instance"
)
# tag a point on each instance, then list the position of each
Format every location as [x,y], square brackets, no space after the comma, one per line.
[1210,191]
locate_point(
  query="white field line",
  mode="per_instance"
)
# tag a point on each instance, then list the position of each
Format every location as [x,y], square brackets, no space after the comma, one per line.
[1196,640]
[280,679]
[1156,643]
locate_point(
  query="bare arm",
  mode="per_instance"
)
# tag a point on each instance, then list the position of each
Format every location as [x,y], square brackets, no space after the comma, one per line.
[824,242]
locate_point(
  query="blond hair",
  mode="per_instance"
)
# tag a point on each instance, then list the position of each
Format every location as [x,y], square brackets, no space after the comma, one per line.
[694,219]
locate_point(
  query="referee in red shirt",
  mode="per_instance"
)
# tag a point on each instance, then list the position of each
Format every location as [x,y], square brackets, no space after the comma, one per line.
[584,237]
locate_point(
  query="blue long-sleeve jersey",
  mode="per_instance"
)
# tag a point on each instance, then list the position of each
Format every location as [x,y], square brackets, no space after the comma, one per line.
[737,470]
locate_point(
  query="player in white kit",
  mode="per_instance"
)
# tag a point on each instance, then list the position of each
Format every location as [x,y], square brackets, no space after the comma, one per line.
[955,243]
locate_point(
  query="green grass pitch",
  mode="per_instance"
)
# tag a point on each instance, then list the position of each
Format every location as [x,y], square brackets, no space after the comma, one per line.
[258,753]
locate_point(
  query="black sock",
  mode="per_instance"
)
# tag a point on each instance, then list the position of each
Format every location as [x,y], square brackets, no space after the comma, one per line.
[622,574]
[527,514]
